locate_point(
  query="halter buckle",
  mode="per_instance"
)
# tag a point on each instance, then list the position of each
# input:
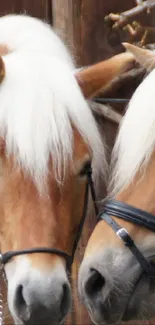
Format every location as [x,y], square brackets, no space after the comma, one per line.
[124,235]
[122,232]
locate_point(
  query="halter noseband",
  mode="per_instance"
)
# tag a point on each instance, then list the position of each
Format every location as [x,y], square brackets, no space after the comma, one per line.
[137,216]
[6,257]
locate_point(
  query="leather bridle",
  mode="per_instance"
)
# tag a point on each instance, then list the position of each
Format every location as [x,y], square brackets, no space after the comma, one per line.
[137,216]
[6,257]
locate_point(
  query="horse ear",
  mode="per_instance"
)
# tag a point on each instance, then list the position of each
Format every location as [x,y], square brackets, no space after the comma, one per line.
[2,69]
[146,58]
[97,77]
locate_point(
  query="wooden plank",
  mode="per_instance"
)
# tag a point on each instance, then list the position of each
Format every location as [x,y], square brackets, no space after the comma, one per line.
[67,22]
[62,20]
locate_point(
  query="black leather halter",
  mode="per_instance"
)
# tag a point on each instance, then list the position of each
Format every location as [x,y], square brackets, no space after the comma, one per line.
[137,216]
[6,257]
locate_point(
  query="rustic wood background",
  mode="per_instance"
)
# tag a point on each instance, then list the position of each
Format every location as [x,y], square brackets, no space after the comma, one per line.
[81,25]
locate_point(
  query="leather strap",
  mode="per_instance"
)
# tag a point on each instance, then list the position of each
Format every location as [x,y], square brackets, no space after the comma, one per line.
[129,213]
[90,185]
[8,255]
[119,209]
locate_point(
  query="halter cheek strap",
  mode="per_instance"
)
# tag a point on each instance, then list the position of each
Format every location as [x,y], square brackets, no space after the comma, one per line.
[134,215]
[6,257]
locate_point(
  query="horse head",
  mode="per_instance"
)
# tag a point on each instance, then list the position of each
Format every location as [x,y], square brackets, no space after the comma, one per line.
[117,275]
[48,140]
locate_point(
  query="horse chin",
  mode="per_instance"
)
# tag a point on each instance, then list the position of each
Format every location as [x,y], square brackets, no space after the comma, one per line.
[141,302]
[99,319]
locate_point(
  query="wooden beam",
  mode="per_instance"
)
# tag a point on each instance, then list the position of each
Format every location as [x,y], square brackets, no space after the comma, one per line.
[62,19]
[67,22]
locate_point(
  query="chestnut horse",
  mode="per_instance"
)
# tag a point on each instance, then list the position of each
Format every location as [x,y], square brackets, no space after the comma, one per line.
[48,138]
[117,282]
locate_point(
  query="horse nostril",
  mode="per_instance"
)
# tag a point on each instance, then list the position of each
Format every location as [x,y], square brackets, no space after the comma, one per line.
[95,283]
[65,301]
[21,305]
[42,302]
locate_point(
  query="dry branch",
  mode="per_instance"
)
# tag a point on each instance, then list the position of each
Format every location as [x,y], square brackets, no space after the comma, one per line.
[122,19]
[105,111]
[137,31]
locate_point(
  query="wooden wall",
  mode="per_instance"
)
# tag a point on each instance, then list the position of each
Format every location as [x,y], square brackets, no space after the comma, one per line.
[82,22]
[37,8]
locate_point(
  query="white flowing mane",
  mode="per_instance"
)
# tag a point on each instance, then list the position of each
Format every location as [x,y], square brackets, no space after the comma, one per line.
[136,138]
[40,99]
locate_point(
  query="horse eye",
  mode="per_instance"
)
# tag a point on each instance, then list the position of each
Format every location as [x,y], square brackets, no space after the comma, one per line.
[85,168]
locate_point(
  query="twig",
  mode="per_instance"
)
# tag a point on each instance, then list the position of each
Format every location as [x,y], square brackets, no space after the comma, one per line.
[146,34]
[123,18]
[106,111]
